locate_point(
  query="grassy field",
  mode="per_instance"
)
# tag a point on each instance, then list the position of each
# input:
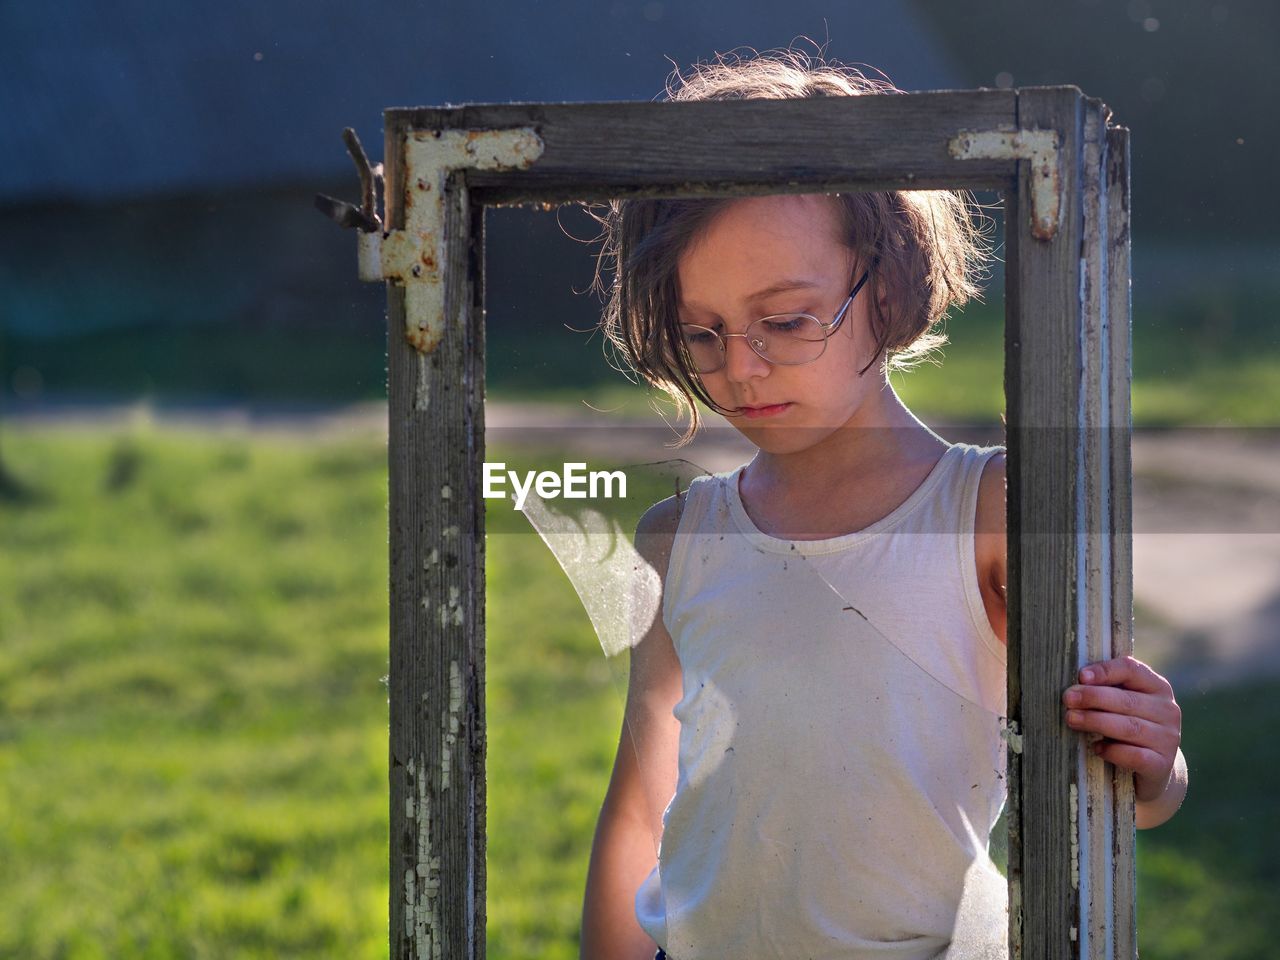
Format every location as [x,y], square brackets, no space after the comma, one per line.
[193,720]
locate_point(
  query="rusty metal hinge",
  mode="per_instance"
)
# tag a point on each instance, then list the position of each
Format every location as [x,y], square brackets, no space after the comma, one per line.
[415,256]
[1040,147]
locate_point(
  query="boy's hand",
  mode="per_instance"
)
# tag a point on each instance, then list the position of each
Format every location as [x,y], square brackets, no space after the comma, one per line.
[1133,709]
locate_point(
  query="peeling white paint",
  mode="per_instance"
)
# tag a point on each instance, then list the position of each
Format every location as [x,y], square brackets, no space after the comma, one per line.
[450,531]
[446,492]
[1009,732]
[432,559]
[426,602]
[455,694]
[422,883]
[450,723]
[422,391]
[409,901]
[1015,910]
[451,612]
[1075,837]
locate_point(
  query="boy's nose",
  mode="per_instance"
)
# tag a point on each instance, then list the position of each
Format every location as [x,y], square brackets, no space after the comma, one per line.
[741,363]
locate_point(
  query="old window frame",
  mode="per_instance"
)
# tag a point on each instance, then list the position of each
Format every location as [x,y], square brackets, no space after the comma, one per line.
[1063,170]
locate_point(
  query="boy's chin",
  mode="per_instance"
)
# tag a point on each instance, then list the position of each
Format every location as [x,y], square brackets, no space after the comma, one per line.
[779,439]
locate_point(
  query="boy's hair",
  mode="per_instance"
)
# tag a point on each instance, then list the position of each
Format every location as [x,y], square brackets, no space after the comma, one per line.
[926,252]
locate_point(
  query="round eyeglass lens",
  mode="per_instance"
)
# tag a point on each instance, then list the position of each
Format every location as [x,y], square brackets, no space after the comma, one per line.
[791,338]
[786,338]
[705,348]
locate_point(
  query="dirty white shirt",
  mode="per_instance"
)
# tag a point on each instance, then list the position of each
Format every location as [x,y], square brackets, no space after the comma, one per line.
[840,760]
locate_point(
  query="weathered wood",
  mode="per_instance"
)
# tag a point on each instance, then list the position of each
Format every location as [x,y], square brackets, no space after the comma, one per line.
[602,150]
[1094,783]
[1124,844]
[1017,213]
[1067,380]
[1069,512]
[436,683]
[1043,385]
[1106,836]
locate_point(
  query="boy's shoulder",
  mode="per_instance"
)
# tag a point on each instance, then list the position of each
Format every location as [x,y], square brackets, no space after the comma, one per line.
[662,519]
[656,532]
[990,533]
[991,496]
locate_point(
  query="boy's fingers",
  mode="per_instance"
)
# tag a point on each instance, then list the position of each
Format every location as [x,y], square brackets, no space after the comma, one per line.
[1124,701]
[1140,760]
[1128,672]
[1125,729]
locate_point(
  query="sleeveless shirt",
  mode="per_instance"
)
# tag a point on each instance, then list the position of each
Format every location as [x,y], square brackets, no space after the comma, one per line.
[840,760]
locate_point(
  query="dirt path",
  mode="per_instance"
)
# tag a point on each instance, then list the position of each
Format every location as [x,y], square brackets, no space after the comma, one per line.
[1206,510]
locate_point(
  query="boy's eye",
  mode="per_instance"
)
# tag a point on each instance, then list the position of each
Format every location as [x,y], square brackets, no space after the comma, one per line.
[788,324]
[698,335]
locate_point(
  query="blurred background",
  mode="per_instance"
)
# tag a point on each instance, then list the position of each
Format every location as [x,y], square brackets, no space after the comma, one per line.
[193,605]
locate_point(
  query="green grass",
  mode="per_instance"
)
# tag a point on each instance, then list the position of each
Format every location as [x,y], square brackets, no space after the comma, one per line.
[193,720]
[193,737]
[1207,878]
[193,723]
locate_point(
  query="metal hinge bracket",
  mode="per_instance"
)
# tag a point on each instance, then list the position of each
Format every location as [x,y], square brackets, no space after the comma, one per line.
[1040,147]
[415,256]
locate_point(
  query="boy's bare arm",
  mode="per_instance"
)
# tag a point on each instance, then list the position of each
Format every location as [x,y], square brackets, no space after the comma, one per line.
[624,850]
[623,853]
[1152,813]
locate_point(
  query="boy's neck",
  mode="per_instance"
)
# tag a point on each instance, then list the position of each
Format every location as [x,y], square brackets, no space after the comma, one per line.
[853,478]
[879,441]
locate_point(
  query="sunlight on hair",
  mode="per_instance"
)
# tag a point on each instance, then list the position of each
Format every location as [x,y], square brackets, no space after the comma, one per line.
[932,248]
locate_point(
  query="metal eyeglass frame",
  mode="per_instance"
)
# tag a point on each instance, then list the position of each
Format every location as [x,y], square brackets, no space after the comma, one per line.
[827,330]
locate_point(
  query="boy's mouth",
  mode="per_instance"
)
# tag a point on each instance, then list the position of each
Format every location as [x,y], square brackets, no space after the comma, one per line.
[767,410]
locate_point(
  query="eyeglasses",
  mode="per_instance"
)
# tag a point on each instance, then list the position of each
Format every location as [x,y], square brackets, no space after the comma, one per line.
[783,338]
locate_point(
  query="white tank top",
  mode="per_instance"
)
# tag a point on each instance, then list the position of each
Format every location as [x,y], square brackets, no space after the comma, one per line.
[840,760]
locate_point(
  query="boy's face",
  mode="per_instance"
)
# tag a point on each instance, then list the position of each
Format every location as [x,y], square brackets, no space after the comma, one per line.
[755,244]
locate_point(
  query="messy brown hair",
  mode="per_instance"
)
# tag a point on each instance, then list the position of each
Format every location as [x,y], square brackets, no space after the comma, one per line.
[925,251]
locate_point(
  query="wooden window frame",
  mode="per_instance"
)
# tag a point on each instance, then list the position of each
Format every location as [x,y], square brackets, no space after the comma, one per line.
[1063,170]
